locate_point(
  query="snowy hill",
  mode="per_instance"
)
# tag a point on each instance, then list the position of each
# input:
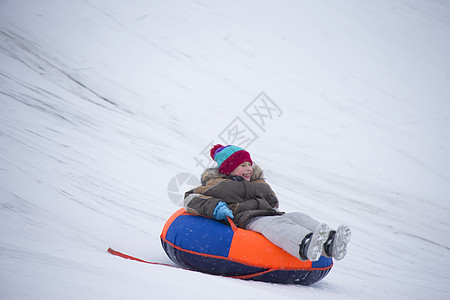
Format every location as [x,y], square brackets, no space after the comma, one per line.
[103,103]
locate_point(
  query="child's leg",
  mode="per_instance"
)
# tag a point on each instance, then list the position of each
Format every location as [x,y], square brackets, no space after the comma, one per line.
[281,231]
[303,220]
[308,222]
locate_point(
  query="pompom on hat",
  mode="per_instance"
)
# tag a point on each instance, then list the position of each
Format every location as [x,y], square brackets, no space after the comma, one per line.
[229,157]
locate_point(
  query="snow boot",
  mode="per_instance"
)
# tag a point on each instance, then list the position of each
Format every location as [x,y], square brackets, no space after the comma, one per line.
[312,245]
[336,244]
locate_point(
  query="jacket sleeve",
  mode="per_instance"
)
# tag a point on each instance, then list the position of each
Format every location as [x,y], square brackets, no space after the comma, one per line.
[199,204]
[272,199]
[265,192]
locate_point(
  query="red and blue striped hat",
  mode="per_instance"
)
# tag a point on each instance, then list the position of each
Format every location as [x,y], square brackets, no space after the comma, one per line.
[229,157]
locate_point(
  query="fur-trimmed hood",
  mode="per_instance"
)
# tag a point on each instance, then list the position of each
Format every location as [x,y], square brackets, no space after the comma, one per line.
[212,173]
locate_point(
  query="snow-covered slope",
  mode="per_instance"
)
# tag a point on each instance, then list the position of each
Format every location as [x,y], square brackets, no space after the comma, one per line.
[103,103]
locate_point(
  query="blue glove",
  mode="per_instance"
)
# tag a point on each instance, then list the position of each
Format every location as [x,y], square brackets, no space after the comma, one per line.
[222,211]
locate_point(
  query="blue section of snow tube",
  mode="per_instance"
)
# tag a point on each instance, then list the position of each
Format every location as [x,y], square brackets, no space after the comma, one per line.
[323,262]
[201,235]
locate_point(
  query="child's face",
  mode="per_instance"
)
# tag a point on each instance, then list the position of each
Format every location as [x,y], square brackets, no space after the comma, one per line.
[245,170]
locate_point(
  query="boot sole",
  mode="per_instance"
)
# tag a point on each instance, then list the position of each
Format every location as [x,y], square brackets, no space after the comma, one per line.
[342,238]
[318,238]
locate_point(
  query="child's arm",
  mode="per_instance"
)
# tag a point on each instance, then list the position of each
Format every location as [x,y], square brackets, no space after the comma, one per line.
[266,193]
[200,204]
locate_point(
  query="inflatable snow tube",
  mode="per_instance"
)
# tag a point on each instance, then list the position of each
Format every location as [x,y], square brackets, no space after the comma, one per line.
[206,245]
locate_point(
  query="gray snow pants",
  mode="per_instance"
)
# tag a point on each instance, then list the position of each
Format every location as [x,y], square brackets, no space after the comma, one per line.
[285,231]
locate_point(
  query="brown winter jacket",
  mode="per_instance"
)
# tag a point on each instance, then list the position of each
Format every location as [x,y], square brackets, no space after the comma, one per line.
[246,199]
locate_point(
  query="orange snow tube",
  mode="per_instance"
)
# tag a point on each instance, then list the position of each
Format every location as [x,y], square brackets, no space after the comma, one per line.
[206,245]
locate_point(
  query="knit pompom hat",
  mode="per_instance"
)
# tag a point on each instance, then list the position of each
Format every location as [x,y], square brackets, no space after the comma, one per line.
[229,157]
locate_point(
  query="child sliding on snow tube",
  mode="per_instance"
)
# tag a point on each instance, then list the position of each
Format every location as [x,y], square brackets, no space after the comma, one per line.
[236,188]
